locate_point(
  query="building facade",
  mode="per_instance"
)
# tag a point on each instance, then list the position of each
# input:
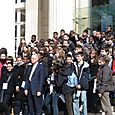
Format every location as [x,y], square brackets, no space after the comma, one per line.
[22,18]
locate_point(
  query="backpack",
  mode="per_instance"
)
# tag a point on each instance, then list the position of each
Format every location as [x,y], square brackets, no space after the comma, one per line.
[72,80]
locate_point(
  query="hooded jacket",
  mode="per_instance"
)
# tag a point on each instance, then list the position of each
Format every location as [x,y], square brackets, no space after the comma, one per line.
[83,75]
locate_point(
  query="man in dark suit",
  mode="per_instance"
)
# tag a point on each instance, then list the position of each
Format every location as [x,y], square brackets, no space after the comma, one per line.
[34,85]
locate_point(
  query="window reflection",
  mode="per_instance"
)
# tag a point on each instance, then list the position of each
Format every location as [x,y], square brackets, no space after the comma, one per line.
[23,0]
[22,15]
[22,30]
[15,1]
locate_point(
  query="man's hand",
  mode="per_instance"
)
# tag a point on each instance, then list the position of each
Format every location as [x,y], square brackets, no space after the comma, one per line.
[38,93]
[17,89]
[26,92]
[78,86]
[100,95]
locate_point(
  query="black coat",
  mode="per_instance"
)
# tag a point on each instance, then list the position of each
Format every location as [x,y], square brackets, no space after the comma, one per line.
[20,77]
[5,76]
[61,79]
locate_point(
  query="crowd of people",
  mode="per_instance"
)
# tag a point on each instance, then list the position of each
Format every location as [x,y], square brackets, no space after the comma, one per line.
[75,70]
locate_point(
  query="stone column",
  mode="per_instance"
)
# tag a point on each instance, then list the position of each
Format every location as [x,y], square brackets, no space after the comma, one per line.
[60,15]
[31,19]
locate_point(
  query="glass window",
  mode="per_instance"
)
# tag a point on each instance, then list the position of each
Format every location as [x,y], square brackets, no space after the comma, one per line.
[22,15]
[99,2]
[22,30]
[23,0]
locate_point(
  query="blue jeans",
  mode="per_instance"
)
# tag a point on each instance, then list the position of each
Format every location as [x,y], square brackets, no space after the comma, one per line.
[76,98]
[51,103]
[55,97]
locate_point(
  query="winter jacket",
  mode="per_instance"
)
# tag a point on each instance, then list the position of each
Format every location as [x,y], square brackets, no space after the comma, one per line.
[104,78]
[83,77]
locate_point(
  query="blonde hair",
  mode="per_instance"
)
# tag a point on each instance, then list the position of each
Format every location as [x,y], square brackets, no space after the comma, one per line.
[61,53]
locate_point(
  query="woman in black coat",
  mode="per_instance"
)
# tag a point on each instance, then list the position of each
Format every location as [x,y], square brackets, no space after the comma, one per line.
[7,87]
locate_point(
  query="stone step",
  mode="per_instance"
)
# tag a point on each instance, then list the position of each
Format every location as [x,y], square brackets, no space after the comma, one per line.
[99,113]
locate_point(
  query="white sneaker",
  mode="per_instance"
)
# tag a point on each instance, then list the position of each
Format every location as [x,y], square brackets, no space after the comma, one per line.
[81,108]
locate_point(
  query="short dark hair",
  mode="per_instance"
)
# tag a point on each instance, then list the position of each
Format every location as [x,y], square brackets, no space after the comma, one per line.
[66,34]
[68,55]
[62,30]
[80,53]
[111,37]
[105,58]
[34,36]
[78,46]
[10,63]
[3,51]
[106,48]
[55,33]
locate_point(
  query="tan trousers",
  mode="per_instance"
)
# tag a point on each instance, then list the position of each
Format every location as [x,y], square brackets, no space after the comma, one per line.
[106,105]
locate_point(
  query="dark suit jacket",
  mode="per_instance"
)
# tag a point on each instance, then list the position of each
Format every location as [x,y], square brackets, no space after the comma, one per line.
[37,80]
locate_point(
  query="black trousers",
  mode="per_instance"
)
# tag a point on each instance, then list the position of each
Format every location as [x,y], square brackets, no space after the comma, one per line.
[35,104]
[6,101]
[21,105]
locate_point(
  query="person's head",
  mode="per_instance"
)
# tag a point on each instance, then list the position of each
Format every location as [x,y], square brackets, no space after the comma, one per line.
[79,56]
[33,38]
[19,60]
[98,34]
[78,48]
[66,36]
[91,39]
[25,59]
[59,53]
[94,33]
[69,59]
[109,28]
[62,32]
[80,41]
[9,66]
[3,58]
[22,40]
[104,50]
[103,59]
[109,40]
[93,54]
[25,49]
[72,33]
[9,59]
[55,34]
[3,51]
[47,43]
[65,43]
[35,58]
[85,33]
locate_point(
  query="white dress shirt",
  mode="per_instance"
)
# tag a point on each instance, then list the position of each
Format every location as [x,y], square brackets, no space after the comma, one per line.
[32,71]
